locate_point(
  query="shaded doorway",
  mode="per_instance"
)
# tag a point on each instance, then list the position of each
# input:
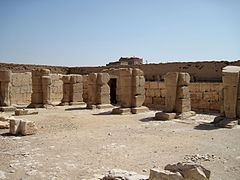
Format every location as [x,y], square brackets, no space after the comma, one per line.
[113,87]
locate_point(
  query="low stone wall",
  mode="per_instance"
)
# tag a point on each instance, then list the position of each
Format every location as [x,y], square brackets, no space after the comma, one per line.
[21,88]
[204,96]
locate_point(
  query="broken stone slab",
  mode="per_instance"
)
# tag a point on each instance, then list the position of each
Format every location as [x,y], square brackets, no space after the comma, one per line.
[189,170]
[121,111]
[20,112]
[163,116]
[4,124]
[223,122]
[22,127]
[185,115]
[104,106]
[157,174]
[141,109]
[7,108]
[118,174]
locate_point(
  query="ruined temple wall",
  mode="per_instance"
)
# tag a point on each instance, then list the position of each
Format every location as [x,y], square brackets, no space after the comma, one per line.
[204,96]
[21,88]
[56,89]
[208,71]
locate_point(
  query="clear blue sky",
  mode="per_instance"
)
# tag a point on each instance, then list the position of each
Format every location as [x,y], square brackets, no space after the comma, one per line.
[94,32]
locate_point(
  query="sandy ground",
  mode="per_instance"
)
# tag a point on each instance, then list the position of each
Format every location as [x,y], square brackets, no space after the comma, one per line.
[75,143]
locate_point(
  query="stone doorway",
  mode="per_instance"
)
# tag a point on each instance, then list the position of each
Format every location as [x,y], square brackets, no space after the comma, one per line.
[113,87]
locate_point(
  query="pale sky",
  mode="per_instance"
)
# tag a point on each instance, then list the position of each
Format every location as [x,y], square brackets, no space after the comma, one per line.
[95,32]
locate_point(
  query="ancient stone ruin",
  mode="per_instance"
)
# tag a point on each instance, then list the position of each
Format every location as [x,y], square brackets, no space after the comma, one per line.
[177,100]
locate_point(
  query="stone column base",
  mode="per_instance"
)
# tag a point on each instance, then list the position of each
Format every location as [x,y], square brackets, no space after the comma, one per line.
[141,109]
[164,116]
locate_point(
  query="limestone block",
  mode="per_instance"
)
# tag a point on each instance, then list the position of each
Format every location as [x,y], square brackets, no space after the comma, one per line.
[66,78]
[158,100]
[138,100]
[4,124]
[148,100]
[46,80]
[147,85]
[183,105]
[171,79]
[14,126]
[5,76]
[20,112]
[137,72]
[104,89]
[103,78]
[157,174]
[183,92]
[77,87]
[141,109]
[183,79]
[153,85]
[27,128]
[157,92]
[125,72]
[76,79]
[164,116]
[138,90]
[76,97]
[230,89]
[22,127]
[121,111]
[92,78]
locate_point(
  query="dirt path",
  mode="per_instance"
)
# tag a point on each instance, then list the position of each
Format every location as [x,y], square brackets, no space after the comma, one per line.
[76,143]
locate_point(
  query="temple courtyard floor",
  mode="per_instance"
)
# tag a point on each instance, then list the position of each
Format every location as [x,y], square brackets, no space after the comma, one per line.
[76,143]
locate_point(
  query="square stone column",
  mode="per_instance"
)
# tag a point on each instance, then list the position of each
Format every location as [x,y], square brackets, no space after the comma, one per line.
[38,86]
[230,90]
[5,85]
[72,90]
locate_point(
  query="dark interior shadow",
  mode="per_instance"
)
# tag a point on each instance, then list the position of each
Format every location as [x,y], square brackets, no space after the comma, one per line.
[148,119]
[206,126]
[76,108]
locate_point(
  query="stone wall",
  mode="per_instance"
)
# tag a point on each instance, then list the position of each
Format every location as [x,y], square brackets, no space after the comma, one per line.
[21,88]
[204,96]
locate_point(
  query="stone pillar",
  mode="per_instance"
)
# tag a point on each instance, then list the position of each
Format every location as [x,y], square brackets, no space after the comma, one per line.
[5,79]
[183,101]
[92,90]
[177,99]
[230,90]
[72,90]
[85,88]
[98,91]
[130,91]
[231,98]
[171,81]
[103,90]
[38,86]
[46,90]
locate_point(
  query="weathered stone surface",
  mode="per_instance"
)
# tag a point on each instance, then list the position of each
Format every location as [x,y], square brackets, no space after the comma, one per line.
[156,174]
[118,174]
[164,116]
[20,112]
[230,90]
[5,75]
[22,127]
[185,115]
[4,124]
[183,79]
[224,122]
[141,109]
[121,111]
[103,78]
[189,171]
